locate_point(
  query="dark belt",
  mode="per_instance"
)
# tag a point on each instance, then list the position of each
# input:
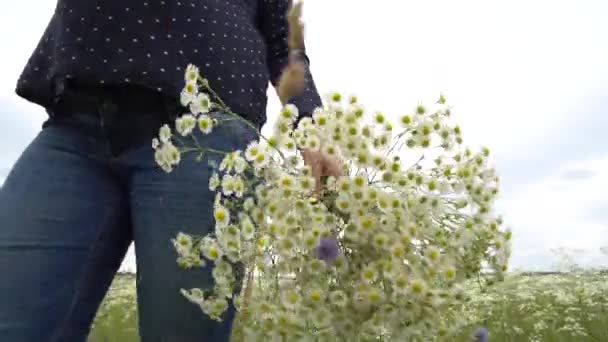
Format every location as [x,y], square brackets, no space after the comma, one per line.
[125,100]
[128,114]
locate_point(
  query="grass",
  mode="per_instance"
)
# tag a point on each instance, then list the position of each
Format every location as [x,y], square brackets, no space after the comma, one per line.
[525,307]
[551,307]
[116,319]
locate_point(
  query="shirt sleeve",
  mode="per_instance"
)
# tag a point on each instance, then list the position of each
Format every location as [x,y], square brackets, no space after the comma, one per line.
[273,25]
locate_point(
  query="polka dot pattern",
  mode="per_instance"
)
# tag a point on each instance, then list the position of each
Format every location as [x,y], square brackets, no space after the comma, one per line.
[239,45]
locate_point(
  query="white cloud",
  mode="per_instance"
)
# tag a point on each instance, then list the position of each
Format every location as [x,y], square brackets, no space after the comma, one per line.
[526,78]
[556,213]
[22,26]
[20,122]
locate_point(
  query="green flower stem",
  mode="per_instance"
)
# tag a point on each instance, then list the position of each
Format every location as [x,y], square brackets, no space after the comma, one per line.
[398,137]
[203,150]
[205,84]
[227,110]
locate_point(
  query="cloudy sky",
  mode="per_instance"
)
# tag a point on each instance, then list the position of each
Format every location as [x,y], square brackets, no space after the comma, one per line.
[527,78]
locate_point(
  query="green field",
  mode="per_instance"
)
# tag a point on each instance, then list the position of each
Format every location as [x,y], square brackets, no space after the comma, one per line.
[538,307]
[116,319]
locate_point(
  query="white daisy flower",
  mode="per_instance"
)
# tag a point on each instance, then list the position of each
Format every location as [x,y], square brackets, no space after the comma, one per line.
[185,124]
[252,151]
[313,143]
[165,133]
[221,215]
[200,104]
[289,113]
[205,124]
[211,249]
[192,73]
[214,181]
[188,94]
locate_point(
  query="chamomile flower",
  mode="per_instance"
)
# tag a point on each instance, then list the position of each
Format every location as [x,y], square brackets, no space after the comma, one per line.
[247,228]
[313,143]
[221,215]
[398,251]
[252,151]
[287,181]
[343,203]
[205,124]
[192,74]
[214,181]
[316,266]
[240,164]
[384,201]
[228,185]
[200,104]
[167,156]
[417,287]
[289,113]
[184,240]
[306,184]
[211,249]
[366,223]
[305,124]
[401,284]
[193,295]
[261,159]
[433,254]
[216,307]
[330,150]
[315,296]
[320,118]
[291,299]
[378,246]
[380,240]
[288,144]
[165,134]
[374,296]
[191,88]
[185,124]
[249,204]
[286,244]
[344,184]
[310,241]
[369,274]
[406,120]
[450,273]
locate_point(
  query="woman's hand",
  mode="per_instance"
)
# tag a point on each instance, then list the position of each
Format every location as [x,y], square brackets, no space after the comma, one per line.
[322,165]
[292,82]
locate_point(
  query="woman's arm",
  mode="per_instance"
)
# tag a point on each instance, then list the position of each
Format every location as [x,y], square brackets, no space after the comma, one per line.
[288,64]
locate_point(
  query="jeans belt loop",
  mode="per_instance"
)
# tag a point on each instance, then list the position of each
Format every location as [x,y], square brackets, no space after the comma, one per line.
[172,110]
[106,108]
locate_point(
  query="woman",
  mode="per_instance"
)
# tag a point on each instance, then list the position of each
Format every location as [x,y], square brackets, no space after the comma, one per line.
[109,75]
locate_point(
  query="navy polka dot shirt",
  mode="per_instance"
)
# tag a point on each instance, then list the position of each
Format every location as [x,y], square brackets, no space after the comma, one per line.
[239,45]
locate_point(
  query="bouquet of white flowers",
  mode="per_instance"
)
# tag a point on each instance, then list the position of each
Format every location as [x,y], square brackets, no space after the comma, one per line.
[378,255]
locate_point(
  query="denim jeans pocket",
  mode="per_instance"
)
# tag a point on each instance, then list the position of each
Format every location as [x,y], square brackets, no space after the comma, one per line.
[238,128]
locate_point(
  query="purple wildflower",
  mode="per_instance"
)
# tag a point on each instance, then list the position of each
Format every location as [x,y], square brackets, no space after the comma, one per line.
[481,335]
[327,249]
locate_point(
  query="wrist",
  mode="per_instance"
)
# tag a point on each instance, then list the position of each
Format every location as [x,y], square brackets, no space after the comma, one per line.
[298,55]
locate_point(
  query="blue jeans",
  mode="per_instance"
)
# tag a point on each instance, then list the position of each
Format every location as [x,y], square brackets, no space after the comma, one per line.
[83,190]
